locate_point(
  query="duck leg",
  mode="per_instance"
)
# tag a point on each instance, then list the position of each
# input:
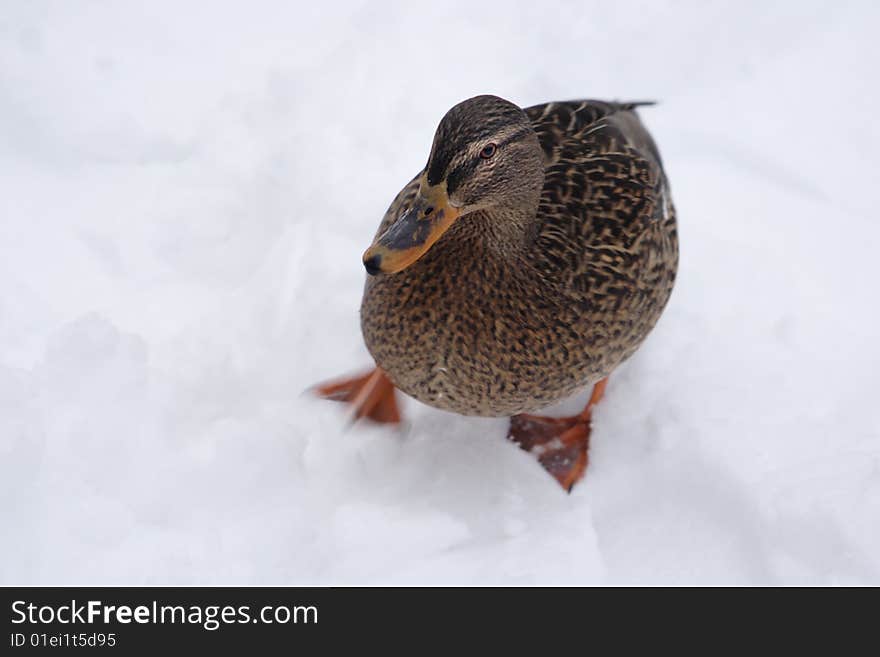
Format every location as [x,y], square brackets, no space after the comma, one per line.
[559,444]
[371,395]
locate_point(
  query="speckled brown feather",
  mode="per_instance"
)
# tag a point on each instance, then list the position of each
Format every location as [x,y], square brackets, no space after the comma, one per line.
[483,326]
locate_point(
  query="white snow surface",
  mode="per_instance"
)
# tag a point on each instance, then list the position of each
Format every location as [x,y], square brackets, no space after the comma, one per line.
[187,189]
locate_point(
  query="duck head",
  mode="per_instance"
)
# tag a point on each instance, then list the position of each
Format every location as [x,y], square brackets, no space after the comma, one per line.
[485,155]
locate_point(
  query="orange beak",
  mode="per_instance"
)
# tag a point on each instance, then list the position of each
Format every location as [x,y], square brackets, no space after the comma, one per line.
[410,237]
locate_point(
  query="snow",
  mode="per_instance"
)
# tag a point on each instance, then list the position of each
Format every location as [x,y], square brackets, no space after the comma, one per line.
[186,193]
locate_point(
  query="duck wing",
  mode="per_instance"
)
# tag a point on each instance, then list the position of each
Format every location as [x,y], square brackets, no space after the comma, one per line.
[606,233]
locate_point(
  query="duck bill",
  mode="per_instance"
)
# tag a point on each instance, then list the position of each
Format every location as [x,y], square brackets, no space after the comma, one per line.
[410,237]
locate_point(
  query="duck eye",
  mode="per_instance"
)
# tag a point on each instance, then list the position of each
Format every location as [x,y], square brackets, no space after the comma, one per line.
[488,151]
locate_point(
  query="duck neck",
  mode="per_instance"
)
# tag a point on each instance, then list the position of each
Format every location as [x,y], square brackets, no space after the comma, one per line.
[509,228]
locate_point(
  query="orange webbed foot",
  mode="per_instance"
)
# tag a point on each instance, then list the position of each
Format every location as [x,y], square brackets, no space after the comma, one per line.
[559,444]
[371,395]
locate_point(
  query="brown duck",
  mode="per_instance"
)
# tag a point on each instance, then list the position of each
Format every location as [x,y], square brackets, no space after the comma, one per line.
[531,256]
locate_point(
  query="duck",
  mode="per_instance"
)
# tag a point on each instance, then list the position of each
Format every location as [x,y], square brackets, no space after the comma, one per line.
[529,258]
